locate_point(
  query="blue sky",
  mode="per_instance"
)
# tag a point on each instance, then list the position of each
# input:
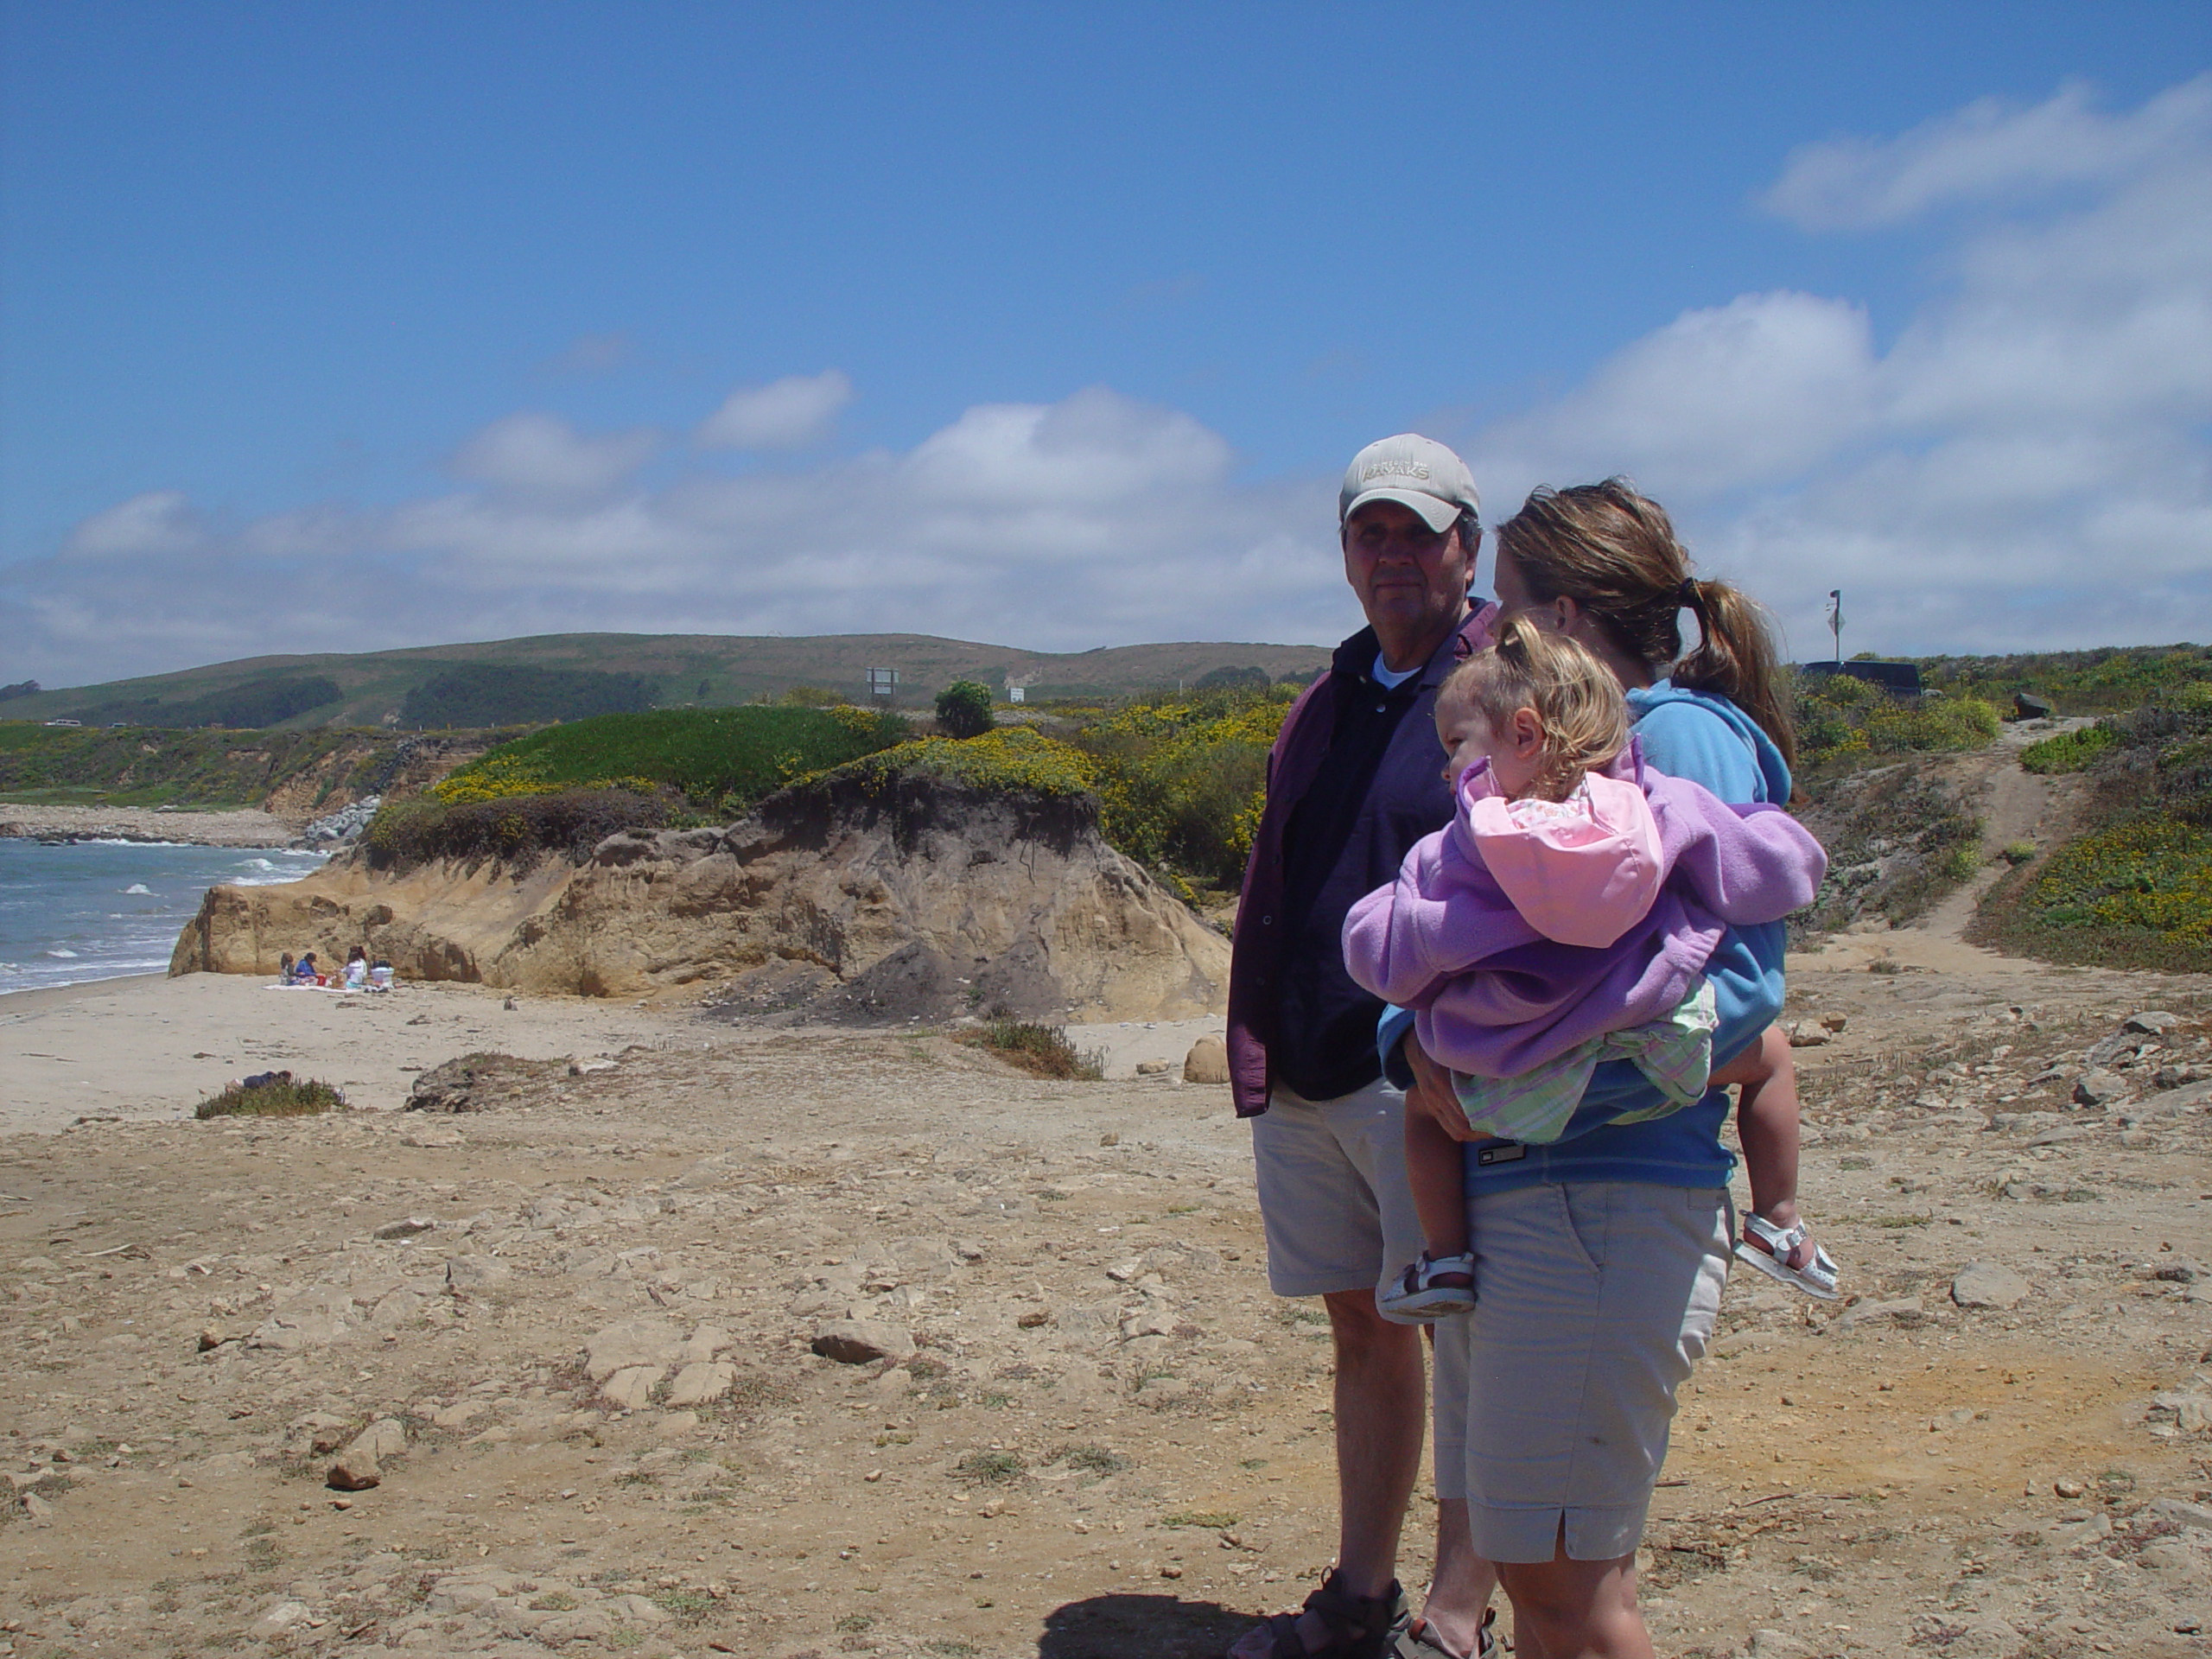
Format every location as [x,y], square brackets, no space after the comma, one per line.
[350,325]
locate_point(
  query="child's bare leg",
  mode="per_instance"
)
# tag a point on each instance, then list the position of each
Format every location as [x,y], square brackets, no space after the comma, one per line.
[1767,1125]
[1435,1171]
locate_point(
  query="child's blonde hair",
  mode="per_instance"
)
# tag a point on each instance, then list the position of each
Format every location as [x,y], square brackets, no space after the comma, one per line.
[1576,697]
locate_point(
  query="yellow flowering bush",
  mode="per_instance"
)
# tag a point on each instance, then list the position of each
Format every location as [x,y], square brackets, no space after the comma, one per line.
[2151,876]
[1007,756]
[1181,782]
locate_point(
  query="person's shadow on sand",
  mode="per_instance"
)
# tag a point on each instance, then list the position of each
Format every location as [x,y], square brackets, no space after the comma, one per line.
[1155,1627]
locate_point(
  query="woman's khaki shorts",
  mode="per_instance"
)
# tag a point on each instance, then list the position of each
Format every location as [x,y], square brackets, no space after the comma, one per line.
[1593,1300]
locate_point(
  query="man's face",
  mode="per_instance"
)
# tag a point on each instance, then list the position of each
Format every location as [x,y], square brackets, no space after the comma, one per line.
[1410,579]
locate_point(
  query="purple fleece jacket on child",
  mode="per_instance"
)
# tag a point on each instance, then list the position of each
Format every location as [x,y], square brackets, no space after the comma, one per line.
[1415,942]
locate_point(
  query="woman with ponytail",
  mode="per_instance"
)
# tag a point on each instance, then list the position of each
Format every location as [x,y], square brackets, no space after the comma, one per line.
[1599,1256]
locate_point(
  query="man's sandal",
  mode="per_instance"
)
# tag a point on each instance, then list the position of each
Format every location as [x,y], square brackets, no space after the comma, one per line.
[1769,1248]
[1416,1638]
[1353,1627]
[1414,1297]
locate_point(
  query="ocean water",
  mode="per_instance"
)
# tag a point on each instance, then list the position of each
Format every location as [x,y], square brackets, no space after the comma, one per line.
[100,909]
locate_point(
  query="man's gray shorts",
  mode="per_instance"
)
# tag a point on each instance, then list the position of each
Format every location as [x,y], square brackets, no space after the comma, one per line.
[1333,1197]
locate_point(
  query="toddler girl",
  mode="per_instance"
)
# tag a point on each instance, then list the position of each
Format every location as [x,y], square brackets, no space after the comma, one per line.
[1564,918]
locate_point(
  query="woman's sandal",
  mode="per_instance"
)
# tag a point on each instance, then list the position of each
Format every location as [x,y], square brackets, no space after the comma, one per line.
[1415,1298]
[1355,1627]
[1769,1248]
[1416,1638]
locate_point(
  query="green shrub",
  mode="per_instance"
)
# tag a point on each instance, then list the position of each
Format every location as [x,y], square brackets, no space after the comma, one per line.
[516,830]
[963,709]
[267,702]
[2068,751]
[141,767]
[991,1468]
[2017,852]
[281,1099]
[1842,720]
[1041,1051]
[2102,681]
[718,760]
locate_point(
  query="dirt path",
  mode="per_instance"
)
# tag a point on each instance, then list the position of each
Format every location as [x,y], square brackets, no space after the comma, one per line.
[2016,806]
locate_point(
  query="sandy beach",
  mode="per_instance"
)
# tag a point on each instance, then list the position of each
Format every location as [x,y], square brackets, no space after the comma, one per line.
[242,827]
[149,1049]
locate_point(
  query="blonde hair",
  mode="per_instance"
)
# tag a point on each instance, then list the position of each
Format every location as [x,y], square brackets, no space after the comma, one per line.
[1612,550]
[1574,696]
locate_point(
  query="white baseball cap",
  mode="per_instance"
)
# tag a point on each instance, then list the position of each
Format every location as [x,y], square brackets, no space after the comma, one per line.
[1415,472]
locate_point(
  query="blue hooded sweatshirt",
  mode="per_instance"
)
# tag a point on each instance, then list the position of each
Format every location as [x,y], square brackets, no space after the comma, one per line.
[1706,738]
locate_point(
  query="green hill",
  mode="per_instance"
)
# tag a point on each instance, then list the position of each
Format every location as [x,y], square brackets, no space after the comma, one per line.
[478,683]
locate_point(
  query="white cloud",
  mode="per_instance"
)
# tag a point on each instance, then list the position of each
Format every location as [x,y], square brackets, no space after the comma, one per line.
[543,455]
[1095,520]
[2024,466]
[787,414]
[158,522]
[1989,150]
[1743,392]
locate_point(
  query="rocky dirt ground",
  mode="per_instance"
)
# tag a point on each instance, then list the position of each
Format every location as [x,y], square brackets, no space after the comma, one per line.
[572,1335]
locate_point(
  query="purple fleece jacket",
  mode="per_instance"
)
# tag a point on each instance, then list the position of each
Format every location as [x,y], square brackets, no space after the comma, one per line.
[1492,997]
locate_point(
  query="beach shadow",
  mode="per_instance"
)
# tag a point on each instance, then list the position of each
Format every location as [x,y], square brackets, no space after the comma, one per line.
[1160,1627]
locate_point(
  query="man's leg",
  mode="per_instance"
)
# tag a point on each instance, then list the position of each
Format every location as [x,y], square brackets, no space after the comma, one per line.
[1338,1212]
[1381,1406]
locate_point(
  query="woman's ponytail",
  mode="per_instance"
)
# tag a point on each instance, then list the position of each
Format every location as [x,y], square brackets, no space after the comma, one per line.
[1736,657]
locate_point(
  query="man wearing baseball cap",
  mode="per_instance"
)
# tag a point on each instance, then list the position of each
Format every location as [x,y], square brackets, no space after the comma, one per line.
[1355,778]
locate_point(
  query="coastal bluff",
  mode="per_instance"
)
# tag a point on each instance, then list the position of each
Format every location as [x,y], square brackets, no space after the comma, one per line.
[915,896]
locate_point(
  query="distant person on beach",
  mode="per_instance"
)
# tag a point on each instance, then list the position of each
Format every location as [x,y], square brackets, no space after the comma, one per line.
[1562,920]
[1599,1256]
[306,973]
[1352,784]
[357,969]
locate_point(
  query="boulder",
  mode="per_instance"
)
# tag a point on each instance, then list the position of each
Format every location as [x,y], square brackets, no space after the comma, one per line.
[360,1467]
[627,1342]
[2028,706]
[1207,1062]
[858,1342]
[2100,1088]
[698,1385]
[482,1082]
[1988,1284]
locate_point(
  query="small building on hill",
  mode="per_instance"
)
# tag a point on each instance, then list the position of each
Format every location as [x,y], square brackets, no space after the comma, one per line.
[1898,679]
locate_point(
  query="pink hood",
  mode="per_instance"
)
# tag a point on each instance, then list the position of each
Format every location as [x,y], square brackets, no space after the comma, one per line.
[1585,882]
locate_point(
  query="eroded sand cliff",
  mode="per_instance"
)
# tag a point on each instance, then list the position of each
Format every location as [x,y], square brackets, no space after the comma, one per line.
[916,897]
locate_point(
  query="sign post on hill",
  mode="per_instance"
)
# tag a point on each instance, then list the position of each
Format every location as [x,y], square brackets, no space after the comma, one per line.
[1835,620]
